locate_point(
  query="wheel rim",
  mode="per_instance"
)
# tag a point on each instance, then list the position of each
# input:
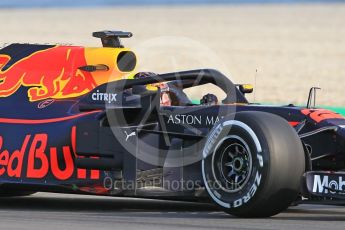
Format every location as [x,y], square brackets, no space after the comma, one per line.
[232,164]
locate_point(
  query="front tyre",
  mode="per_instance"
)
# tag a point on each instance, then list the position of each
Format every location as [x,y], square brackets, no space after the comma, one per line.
[252,165]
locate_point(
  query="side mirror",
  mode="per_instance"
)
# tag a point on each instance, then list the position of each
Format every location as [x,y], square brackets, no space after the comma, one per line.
[246,88]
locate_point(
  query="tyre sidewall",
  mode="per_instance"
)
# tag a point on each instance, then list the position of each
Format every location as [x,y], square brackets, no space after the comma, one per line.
[258,172]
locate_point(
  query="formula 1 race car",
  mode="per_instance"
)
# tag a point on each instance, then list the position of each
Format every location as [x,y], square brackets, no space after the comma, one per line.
[82,120]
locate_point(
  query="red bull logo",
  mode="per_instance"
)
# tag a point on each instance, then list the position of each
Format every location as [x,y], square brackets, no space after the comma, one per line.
[36,153]
[41,160]
[54,72]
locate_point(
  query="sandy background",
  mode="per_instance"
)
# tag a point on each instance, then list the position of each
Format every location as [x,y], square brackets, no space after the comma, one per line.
[293,47]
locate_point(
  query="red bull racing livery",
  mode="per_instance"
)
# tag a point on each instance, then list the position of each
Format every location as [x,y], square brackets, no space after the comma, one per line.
[81,120]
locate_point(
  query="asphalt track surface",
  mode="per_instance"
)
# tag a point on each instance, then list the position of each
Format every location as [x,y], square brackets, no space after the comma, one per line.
[57,211]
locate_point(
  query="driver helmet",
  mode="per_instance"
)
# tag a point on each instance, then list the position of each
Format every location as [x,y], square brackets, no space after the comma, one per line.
[165,98]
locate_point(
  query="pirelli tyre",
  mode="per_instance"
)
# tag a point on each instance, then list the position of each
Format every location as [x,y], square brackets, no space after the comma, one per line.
[253,164]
